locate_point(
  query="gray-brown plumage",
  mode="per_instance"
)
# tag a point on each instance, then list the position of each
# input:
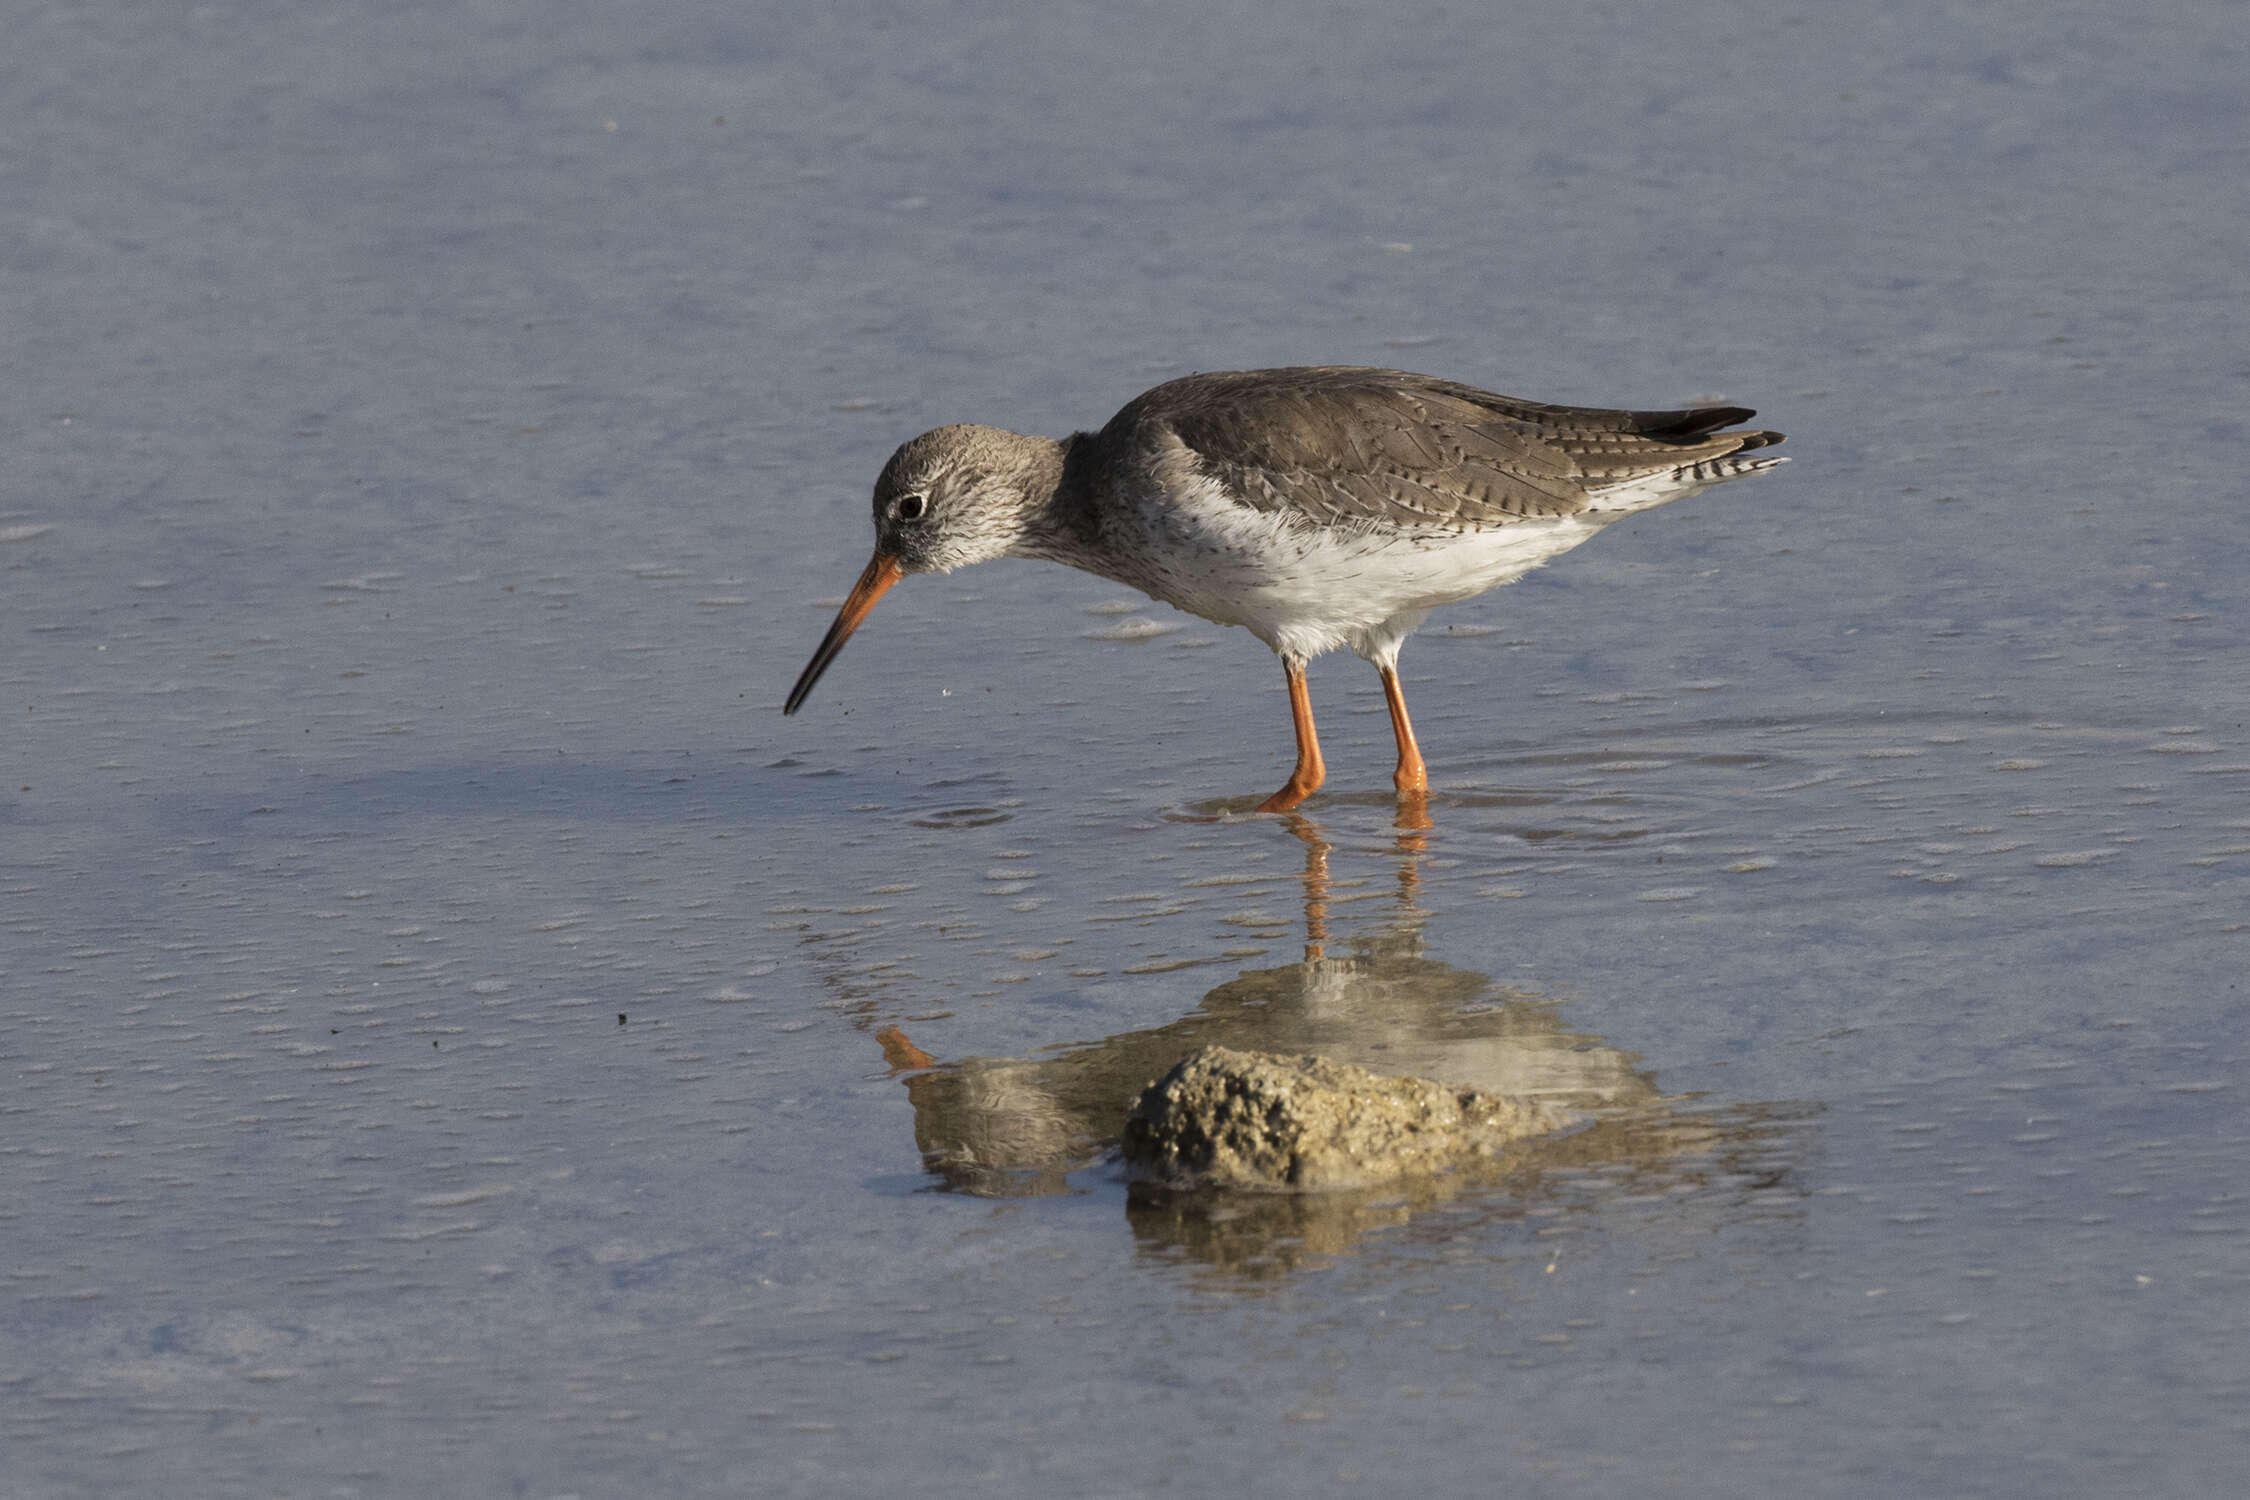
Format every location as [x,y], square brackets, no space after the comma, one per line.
[1317,507]
[1335,444]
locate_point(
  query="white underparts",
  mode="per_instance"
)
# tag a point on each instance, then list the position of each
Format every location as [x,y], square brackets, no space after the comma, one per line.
[1305,589]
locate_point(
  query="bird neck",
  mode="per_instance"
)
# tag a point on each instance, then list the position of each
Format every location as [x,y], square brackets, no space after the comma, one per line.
[1060,522]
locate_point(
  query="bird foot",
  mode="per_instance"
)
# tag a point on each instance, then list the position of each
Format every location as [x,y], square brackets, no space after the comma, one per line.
[1288,797]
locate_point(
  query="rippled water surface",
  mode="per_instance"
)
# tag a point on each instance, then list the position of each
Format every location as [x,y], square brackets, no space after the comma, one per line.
[456,1036]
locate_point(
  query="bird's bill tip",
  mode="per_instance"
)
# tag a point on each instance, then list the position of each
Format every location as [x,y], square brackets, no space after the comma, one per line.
[882,571]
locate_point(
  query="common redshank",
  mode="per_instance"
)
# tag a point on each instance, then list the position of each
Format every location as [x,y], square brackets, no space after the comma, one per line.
[1315,507]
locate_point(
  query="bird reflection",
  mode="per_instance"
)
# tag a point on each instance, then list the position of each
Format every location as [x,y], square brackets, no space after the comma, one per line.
[1017,1127]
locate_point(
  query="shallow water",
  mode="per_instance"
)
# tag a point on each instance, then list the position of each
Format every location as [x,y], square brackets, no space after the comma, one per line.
[458,1035]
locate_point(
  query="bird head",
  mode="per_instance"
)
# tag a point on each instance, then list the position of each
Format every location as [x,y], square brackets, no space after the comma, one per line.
[953,496]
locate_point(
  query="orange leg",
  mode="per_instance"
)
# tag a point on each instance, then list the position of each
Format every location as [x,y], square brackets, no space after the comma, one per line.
[1310,772]
[1412,777]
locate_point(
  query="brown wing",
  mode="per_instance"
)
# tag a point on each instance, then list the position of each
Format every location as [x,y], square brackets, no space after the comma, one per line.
[1341,445]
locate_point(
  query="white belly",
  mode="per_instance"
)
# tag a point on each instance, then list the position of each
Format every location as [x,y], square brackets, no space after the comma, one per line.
[1304,590]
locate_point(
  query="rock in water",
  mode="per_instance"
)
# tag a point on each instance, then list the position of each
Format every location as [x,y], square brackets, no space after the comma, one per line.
[1257,1120]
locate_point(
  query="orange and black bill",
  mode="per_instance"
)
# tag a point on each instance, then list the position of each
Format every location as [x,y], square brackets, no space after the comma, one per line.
[873,584]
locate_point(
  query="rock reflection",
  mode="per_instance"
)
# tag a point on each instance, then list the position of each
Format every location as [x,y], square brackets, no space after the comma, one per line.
[1017,1127]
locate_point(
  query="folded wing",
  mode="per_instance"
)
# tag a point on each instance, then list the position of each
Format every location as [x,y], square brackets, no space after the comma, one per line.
[1346,446]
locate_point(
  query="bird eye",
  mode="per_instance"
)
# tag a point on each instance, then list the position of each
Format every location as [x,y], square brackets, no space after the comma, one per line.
[911,507]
